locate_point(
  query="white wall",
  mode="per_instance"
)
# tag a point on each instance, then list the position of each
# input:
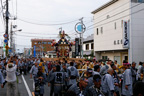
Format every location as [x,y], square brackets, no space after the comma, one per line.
[137,34]
[105,41]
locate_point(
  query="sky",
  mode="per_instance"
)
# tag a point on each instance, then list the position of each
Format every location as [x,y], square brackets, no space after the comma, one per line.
[43,18]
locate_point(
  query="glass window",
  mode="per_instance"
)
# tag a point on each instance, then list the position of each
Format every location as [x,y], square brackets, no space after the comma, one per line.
[108,16]
[115,25]
[97,31]
[118,42]
[39,42]
[92,46]
[104,57]
[49,42]
[101,30]
[114,42]
[121,41]
[44,42]
[87,46]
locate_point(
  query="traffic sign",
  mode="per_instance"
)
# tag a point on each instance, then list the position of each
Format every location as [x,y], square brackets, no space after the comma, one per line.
[80,28]
[5,35]
[5,41]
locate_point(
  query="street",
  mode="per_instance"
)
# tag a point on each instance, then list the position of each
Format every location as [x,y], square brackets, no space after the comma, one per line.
[22,89]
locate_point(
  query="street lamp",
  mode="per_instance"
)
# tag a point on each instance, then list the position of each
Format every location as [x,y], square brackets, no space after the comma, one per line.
[12,44]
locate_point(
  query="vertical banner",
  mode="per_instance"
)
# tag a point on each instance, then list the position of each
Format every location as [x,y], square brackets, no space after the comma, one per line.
[125,34]
[34,51]
[76,46]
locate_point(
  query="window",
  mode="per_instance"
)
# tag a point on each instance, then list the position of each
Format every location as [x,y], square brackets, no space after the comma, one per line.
[101,30]
[97,31]
[121,41]
[44,42]
[115,25]
[49,42]
[108,16]
[39,42]
[92,46]
[118,42]
[104,57]
[35,43]
[87,46]
[114,42]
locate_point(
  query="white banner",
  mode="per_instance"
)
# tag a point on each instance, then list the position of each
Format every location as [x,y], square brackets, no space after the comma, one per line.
[125,34]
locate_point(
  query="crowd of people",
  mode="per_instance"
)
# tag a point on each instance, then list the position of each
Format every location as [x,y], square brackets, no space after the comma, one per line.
[74,77]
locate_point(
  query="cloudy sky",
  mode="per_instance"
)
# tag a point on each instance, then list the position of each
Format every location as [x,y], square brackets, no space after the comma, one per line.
[43,18]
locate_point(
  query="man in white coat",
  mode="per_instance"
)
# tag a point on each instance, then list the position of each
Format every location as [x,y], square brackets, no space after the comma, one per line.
[127,81]
[11,79]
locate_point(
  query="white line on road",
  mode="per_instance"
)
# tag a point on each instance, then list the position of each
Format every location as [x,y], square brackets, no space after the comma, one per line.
[27,88]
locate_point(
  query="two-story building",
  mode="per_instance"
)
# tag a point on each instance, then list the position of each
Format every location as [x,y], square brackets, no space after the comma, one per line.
[119,31]
[42,46]
[88,46]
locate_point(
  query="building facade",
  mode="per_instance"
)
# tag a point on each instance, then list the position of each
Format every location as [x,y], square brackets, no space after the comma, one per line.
[42,46]
[119,31]
[88,47]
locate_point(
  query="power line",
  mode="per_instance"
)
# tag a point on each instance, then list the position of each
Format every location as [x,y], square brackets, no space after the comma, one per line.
[41,33]
[116,19]
[115,15]
[47,24]
[110,11]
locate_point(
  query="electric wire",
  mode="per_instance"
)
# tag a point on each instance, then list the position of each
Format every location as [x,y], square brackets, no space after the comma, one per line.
[115,15]
[47,24]
[111,11]
[117,18]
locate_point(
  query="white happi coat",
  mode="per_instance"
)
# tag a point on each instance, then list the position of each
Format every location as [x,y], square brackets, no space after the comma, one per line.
[127,80]
[107,84]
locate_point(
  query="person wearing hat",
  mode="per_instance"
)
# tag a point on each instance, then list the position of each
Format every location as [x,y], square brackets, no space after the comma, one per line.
[108,83]
[50,80]
[80,87]
[127,81]
[33,72]
[11,78]
[40,81]
[95,90]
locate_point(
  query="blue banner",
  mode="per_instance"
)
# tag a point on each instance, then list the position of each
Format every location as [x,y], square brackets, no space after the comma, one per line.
[34,51]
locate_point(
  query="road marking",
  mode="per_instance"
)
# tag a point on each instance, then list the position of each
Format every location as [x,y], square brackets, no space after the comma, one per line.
[27,88]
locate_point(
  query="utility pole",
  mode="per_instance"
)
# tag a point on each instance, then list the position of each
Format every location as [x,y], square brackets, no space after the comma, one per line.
[11,38]
[81,37]
[7,23]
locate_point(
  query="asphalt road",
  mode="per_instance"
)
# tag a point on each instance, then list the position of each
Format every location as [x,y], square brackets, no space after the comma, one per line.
[22,89]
